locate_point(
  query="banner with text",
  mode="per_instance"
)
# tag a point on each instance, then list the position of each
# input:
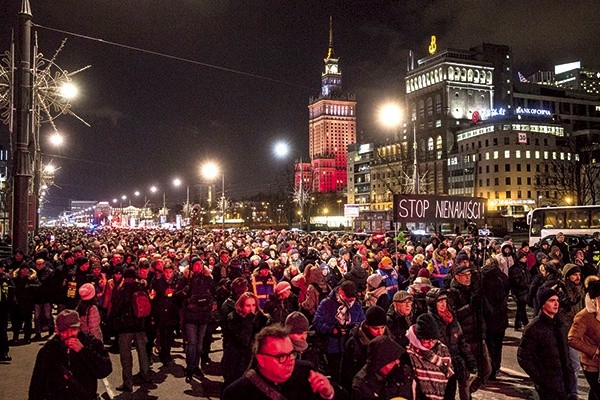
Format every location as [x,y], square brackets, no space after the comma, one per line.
[433,209]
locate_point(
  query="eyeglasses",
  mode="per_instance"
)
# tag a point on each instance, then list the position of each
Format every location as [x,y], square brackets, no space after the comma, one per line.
[282,358]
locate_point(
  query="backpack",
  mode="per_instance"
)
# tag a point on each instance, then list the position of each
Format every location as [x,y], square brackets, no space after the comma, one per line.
[141,304]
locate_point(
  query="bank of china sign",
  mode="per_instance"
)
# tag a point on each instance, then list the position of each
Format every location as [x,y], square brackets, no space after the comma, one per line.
[431,209]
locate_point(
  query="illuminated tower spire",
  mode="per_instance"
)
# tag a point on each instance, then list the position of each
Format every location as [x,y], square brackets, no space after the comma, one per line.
[330,53]
[331,79]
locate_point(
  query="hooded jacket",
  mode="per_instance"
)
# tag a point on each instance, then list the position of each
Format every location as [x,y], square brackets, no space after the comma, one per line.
[370,384]
[505,261]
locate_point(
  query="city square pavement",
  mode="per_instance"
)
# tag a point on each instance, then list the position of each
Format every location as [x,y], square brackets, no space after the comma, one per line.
[168,383]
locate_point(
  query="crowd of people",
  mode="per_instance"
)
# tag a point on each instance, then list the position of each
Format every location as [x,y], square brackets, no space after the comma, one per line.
[302,316]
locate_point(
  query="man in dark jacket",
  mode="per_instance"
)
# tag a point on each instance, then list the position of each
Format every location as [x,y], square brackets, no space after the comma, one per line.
[275,372]
[518,279]
[543,352]
[400,316]
[129,328]
[495,289]
[357,345]
[26,282]
[70,363]
[43,307]
[467,302]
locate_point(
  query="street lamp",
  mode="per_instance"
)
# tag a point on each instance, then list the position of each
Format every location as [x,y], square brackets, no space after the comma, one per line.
[390,116]
[210,171]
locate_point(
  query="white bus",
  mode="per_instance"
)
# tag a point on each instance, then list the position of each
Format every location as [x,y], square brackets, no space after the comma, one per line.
[570,220]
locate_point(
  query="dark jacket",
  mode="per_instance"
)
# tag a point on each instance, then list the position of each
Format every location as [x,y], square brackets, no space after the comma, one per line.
[355,352]
[495,290]
[43,292]
[197,291]
[295,388]
[518,279]
[544,355]
[60,374]
[398,325]
[164,308]
[465,302]
[278,309]
[238,339]
[122,317]
[25,288]
[370,384]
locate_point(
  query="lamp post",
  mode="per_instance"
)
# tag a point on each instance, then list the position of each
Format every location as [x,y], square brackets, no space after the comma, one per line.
[281,149]
[210,171]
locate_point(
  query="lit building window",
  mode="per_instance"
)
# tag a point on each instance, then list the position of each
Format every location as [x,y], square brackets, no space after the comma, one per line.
[517,153]
[495,155]
[528,154]
[545,155]
[487,156]
[430,144]
[438,143]
[506,154]
[537,154]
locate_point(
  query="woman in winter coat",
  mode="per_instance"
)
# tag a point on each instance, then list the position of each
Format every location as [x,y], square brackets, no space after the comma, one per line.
[584,336]
[89,314]
[243,324]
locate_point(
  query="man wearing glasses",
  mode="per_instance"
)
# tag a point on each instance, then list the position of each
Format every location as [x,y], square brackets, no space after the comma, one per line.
[275,374]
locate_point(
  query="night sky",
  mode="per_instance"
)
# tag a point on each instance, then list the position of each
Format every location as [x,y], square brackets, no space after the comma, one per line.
[155,118]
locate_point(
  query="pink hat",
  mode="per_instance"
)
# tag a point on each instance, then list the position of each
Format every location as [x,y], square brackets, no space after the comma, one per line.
[282,287]
[87,291]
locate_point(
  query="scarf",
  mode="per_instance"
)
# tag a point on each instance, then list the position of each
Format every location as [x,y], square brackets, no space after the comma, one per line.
[299,345]
[446,316]
[432,367]
[591,305]
[343,314]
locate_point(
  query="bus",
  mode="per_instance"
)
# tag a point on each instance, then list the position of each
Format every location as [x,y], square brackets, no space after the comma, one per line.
[570,220]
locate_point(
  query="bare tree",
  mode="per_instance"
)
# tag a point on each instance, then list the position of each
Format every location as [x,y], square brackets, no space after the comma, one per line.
[570,178]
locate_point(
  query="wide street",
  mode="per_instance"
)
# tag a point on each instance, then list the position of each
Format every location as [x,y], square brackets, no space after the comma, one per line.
[168,383]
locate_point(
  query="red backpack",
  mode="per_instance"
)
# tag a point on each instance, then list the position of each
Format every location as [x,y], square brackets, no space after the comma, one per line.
[141,304]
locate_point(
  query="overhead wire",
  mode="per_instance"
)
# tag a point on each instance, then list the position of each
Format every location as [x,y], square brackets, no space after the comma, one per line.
[173,57]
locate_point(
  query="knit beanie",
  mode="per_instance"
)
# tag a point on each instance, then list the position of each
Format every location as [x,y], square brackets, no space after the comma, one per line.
[375,316]
[296,322]
[426,328]
[571,269]
[543,294]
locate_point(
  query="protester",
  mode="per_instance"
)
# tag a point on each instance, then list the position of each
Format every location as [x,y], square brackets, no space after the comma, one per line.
[274,373]
[88,311]
[386,374]
[543,351]
[69,365]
